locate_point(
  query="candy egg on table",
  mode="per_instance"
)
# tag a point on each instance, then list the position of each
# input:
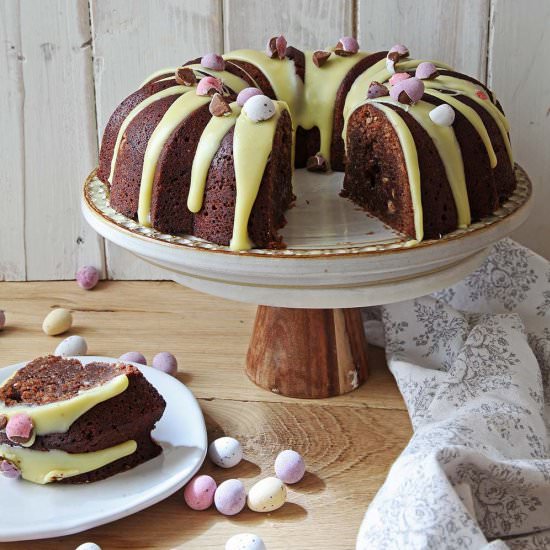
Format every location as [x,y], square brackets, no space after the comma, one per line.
[134,357]
[230,497]
[87,277]
[57,321]
[165,362]
[199,492]
[267,495]
[290,466]
[2,319]
[245,541]
[225,452]
[73,345]
[88,546]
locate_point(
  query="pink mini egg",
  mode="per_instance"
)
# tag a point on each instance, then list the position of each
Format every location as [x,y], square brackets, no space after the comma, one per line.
[213,61]
[134,357]
[290,466]
[87,277]
[398,77]
[230,497]
[246,94]
[199,492]
[408,91]
[209,85]
[400,49]
[165,362]
[348,44]
[426,71]
[19,428]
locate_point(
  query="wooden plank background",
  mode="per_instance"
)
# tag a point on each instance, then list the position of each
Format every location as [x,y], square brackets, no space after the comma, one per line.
[66,65]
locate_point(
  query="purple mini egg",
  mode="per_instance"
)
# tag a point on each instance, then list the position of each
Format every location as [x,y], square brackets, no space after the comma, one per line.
[426,71]
[290,466]
[230,497]
[213,61]
[246,94]
[165,362]
[199,492]
[134,357]
[87,277]
[9,470]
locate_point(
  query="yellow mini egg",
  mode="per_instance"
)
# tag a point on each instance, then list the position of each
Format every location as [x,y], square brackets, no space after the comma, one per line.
[267,495]
[57,321]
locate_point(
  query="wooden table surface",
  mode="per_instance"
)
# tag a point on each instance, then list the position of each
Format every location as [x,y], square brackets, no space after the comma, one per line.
[348,442]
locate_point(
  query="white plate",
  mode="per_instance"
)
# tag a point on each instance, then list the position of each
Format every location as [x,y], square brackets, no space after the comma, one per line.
[336,255]
[41,511]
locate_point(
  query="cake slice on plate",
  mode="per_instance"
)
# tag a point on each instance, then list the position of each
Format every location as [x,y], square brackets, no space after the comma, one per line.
[67,422]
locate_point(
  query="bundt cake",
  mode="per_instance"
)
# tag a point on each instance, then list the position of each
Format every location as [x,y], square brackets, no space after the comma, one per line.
[208,148]
[67,422]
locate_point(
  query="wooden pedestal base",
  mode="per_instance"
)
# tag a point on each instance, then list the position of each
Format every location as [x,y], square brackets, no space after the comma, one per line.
[309,353]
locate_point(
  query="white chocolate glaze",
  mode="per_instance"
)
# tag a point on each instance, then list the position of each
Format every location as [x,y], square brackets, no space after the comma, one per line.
[317,107]
[411,160]
[252,143]
[174,90]
[57,417]
[280,73]
[46,466]
[176,113]
[473,118]
[447,146]
[209,143]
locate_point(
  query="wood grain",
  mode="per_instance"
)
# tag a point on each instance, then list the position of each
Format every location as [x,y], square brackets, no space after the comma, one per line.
[520,38]
[307,353]
[12,146]
[348,442]
[306,24]
[59,137]
[131,40]
[207,334]
[453,32]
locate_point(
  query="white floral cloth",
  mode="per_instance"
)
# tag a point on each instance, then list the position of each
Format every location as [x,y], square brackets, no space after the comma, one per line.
[473,365]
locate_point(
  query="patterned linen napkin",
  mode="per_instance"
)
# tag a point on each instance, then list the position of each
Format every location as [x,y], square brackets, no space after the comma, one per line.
[473,365]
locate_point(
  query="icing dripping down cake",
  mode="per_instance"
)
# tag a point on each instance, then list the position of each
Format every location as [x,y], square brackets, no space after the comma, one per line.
[62,421]
[208,148]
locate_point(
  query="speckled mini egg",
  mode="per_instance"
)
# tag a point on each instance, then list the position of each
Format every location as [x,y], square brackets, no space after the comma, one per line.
[87,277]
[245,541]
[134,357]
[267,495]
[199,492]
[225,452]
[259,107]
[57,321]
[290,466]
[230,497]
[73,345]
[88,546]
[165,362]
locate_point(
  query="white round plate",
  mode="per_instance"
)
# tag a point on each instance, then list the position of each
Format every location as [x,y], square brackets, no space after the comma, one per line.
[42,511]
[337,255]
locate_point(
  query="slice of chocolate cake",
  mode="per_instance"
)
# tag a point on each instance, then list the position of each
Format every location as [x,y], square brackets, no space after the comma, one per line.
[67,422]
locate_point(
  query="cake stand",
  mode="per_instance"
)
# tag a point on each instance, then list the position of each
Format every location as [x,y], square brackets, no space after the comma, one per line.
[308,339]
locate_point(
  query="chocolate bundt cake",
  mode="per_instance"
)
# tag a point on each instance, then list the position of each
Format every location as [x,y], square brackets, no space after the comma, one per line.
[207,149]
[67,422]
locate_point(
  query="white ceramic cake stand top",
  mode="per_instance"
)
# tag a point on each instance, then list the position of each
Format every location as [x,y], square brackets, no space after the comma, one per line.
[337,256]
[33,511]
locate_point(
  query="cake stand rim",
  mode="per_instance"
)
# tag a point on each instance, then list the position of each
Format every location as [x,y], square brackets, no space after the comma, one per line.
[343,252]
